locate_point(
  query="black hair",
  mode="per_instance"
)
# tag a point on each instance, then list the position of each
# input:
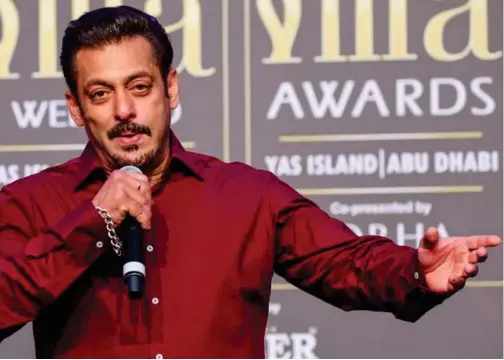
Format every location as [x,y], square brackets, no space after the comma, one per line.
[109,25]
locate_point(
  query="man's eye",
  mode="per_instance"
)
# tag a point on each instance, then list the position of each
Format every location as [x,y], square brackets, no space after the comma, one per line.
[142,89]
[98,94]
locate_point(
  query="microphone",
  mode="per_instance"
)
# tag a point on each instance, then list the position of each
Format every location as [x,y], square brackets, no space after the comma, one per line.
[132,236]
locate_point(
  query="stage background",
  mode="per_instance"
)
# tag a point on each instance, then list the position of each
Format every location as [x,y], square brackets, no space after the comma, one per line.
[395,104]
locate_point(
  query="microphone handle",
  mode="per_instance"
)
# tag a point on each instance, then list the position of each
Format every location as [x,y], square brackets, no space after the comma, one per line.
[133,268]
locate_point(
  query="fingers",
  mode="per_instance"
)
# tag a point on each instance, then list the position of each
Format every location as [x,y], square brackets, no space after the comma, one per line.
[138,203]
[458,269]
[121,195]
[477,256]
[140,211]
[142,196]
[466,264]
[458,280]
[475,242]
[136,184]
[133,180]
[430,239]
[470,270]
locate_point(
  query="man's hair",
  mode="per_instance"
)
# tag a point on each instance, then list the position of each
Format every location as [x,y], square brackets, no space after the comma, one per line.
[111,25]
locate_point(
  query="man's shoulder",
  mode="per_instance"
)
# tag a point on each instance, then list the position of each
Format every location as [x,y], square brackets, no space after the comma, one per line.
[218,170]
[243,181]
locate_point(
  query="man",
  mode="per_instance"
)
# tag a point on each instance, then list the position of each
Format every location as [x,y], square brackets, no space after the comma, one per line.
[215,233]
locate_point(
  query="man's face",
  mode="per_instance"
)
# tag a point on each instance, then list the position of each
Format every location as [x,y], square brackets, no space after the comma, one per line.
[124,103]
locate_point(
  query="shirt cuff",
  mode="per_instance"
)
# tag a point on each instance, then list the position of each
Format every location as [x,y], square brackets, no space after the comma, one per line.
[419,299]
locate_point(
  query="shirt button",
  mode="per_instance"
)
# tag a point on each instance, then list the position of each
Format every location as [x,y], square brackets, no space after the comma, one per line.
[416,276]
[150,248]
[99,244]
[155,301]
[159,356]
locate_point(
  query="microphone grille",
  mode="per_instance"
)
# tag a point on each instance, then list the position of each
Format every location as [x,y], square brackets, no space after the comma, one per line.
[131,169]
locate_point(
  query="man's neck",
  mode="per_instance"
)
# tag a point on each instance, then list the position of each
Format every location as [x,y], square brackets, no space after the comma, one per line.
[156,175]
[156,172]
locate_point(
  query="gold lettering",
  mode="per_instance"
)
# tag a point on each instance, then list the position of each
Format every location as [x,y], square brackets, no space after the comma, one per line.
[48,32]
[48,52]
[192,48]
[398,32]
[9,18]
[282,36]
[111,3]
[153,7]
[79,7]
[364,39]
[330,33]
[478,42]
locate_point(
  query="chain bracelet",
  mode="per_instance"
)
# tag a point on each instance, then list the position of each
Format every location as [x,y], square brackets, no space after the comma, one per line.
[109,222]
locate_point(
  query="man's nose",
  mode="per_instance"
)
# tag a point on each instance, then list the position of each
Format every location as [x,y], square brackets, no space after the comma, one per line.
[124,106]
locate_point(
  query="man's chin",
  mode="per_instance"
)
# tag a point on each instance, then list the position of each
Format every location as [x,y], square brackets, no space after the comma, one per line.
[130,149]
[133,157]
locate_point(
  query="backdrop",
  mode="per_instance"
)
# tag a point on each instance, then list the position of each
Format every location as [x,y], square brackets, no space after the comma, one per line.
[387,113]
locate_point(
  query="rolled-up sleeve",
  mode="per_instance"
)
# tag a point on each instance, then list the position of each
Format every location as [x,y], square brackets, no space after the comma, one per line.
[324,257]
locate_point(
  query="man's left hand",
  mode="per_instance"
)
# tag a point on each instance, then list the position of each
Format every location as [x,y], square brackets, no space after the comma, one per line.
[447,263]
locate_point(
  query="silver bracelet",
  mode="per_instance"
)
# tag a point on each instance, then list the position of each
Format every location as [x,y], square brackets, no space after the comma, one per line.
[109,222]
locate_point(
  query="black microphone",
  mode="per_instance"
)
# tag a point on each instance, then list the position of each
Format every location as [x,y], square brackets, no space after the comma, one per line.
[132,239]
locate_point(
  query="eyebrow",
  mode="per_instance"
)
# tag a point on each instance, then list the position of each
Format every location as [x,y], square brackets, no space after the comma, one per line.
[136,75]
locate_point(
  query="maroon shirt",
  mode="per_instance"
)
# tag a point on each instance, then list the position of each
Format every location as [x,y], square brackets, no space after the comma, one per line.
[220,232]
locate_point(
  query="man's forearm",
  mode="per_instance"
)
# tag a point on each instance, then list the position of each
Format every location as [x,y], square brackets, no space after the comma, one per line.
[49,264]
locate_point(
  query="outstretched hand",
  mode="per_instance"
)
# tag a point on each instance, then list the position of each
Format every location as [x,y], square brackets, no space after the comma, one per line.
[447,263]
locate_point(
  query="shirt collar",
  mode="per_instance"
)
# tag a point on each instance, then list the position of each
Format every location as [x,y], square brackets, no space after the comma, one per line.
[90,164]
[188,159]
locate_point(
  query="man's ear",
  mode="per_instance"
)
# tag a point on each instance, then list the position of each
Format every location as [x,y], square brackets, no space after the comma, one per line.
[74,109]
[172,85]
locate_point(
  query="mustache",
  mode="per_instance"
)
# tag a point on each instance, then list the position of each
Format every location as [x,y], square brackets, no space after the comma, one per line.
[131,127]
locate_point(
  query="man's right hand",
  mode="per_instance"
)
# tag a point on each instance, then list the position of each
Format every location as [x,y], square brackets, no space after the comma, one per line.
[120,195]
